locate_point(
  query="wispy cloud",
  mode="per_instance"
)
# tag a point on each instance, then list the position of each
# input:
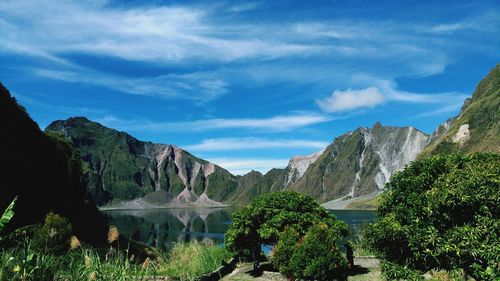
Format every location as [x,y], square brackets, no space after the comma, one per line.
[276,123]
[442,110]
[199,86]
[157,34]
[243,7]
[227,144]
[241,166]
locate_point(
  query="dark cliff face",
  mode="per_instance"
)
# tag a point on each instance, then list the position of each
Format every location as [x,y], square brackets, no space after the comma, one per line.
[119,167]
[44,171]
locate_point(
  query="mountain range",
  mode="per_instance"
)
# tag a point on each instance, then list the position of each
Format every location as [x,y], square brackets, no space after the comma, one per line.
[124,172]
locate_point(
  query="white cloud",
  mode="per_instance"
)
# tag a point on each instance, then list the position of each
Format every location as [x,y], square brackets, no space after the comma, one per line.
[382,91]
[241,166]
[227,144]
[351,99]
[276,123]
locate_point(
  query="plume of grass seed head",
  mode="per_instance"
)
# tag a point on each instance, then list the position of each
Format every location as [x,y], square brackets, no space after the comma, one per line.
[113,234]
[74,243]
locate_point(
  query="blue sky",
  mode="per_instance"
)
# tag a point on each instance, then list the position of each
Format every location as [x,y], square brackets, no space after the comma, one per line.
[247,84]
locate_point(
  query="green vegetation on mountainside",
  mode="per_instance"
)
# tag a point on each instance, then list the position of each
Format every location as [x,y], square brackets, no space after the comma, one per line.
[120,167]
[482,114]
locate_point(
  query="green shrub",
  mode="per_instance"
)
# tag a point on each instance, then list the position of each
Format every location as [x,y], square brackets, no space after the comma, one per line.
[440,214]
[267,216]
[315,256]
[54,235]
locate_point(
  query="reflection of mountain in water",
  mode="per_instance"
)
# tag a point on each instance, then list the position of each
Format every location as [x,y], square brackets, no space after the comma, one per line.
[159,227]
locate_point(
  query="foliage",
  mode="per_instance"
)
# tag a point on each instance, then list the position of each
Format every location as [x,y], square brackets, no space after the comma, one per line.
[7,215]
[54,235]
[82,264]
[187,261]
[315,256]
[440,213]
[262,220]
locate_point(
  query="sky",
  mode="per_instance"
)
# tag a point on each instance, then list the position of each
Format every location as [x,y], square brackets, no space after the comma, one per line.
[245,84]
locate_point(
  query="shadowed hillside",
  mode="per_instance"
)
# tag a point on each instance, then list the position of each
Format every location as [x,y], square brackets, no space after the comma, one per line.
[44,171]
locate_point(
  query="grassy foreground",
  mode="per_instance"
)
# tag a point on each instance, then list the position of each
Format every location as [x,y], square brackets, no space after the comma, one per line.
[184,261]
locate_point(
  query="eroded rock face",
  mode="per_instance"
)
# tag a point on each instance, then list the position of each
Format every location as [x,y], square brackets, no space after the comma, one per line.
[360,162]
[357,163]
[462,135]
[123,168]
[298,165]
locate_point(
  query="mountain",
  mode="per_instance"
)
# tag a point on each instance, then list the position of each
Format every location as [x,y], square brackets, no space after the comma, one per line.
[44,171]
[354,167]
[477,127]
[121,168]
[359,163]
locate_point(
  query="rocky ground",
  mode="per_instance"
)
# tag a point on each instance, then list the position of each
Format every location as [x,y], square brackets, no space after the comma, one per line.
[365,269]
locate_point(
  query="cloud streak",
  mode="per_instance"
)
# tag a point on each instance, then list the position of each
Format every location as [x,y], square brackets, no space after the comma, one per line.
[228,144]
[276,124]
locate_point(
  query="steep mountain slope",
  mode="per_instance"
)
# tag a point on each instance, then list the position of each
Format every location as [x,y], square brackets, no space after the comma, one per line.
[477,127]
[120,167]
[44,171]
[360,162]
[254,184]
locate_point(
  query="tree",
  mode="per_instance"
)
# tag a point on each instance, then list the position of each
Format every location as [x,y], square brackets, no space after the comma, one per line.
[440,213]
[314,256]
[267,216]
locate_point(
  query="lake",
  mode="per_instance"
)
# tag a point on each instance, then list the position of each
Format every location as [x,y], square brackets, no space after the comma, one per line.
[160,227]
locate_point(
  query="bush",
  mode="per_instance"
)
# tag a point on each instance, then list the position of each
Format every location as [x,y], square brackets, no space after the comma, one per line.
[54,235]
[440,213]
[315,256]
[267,216]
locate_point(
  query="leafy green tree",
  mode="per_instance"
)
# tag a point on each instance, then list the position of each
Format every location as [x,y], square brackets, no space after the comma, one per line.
[314,256]
[267,216]
[440,213]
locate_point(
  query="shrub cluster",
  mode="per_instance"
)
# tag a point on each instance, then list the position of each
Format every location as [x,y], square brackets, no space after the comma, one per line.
[305,235]
[440,213]
[314,256]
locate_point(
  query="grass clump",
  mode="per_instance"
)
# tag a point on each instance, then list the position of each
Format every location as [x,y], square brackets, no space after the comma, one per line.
[187,261]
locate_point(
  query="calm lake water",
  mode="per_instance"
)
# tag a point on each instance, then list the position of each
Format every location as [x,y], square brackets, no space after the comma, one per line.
[160,227]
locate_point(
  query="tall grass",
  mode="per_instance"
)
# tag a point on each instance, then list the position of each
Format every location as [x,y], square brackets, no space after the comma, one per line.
[187,261]
[80,264]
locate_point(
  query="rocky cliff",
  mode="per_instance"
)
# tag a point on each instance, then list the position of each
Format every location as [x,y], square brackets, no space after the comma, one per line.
[122,168]
[360,162]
